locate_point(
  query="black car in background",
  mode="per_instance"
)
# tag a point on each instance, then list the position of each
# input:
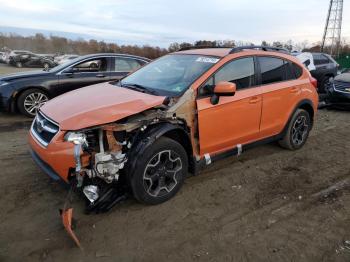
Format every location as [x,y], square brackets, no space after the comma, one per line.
[326,68]
[26,92]
[29,59]
[338,91]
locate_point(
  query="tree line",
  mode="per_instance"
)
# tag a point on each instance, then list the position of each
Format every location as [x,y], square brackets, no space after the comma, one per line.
[61,45]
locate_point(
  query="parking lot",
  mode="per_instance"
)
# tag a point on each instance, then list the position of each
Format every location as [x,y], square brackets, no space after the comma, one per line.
[7,69]
[267,203]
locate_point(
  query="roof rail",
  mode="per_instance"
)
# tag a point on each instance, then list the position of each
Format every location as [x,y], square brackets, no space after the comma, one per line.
[202,47]
[263,48]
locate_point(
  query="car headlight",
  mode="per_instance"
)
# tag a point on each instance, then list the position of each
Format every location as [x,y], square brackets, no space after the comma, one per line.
[3,83]
[76,138]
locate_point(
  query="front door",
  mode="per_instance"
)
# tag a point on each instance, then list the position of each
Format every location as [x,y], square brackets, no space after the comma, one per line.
[235,119]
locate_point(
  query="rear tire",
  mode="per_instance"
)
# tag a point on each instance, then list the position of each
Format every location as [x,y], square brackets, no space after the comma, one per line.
[298,131]
[19,64]
[159,172]
[30,101]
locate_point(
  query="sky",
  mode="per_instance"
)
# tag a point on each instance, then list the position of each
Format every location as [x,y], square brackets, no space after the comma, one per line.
[161,22]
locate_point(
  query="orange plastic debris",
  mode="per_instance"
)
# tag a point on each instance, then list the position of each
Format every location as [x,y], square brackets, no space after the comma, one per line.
[67,216]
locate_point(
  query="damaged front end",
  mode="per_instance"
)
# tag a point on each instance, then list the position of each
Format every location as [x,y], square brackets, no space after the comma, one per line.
[100,156]
[104,155]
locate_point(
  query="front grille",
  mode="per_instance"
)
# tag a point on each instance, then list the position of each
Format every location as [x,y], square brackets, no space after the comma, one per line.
[44,129]
[341,86]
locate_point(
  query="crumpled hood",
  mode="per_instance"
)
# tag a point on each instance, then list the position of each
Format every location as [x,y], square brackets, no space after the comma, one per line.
[96,105]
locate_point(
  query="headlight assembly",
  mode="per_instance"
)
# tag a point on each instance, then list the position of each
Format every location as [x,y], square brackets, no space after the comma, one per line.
[76,138]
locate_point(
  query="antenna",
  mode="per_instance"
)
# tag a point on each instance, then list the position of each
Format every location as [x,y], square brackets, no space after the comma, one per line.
[332,32]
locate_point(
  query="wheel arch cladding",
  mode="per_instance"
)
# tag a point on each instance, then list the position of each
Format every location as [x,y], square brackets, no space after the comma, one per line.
[307,106]
[172,131]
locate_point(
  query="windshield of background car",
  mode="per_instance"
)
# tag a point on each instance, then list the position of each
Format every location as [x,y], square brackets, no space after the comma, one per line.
[171,75]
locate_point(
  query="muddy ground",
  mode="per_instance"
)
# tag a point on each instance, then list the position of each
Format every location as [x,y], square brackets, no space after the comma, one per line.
[266,205]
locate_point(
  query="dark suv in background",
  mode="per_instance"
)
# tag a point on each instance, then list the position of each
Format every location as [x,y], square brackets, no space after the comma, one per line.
[326,68]
[26,92]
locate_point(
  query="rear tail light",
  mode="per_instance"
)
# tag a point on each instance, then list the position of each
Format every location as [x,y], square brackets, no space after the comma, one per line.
[313,81]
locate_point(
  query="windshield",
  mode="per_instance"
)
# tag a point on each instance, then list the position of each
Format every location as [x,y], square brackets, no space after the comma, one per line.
[170,75]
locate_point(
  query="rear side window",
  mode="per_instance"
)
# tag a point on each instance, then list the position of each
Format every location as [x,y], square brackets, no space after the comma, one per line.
[126,64]
[298,71]
[320,59]
[288,70]
[272,70]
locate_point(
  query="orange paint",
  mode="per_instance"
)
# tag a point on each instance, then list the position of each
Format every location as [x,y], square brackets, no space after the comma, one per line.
[248,116]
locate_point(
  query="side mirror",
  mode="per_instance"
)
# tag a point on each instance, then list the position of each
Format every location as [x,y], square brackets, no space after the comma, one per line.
[223,89]
[70,71]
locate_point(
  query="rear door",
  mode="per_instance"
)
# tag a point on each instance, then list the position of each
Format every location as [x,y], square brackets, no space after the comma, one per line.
[122,66]
[235,119]
[88,72]
[280,91]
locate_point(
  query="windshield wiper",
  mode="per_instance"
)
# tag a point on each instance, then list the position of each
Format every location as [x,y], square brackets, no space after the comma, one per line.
[138,87]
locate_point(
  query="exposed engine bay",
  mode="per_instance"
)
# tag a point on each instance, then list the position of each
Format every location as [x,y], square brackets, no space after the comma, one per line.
[105,155]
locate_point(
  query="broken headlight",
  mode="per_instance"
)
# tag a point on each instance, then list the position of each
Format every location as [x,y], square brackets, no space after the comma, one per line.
[76,138]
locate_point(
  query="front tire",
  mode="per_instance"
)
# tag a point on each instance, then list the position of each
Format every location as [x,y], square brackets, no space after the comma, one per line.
[30,101]
[19,64]
[159,172]
[298,131]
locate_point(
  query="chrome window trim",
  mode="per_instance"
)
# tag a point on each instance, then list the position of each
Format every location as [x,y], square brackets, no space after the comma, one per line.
[97,57]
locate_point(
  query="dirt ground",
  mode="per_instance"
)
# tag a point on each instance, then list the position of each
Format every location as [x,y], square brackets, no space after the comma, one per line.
[266,205]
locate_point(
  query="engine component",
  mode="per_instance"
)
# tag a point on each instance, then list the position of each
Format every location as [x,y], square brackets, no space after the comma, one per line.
[91,192]
[107,165]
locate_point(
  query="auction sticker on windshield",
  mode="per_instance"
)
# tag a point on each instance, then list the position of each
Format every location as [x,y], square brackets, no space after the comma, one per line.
[207,60]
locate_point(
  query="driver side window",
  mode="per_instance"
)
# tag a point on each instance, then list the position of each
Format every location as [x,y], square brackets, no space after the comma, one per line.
[240,71]
[94,65]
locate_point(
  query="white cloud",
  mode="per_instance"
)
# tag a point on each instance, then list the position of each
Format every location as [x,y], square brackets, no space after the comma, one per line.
[160,22]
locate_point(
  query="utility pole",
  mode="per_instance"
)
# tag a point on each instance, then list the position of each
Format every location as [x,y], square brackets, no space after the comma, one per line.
[332,32]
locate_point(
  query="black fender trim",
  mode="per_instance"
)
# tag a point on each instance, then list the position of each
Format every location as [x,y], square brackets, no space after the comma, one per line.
[146,138]
[301,104]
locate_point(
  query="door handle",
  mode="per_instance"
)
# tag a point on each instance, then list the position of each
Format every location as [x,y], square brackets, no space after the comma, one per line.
[100,75]
[254,100]
[294,90]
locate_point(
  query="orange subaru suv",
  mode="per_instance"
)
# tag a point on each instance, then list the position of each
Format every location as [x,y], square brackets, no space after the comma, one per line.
[144,134]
